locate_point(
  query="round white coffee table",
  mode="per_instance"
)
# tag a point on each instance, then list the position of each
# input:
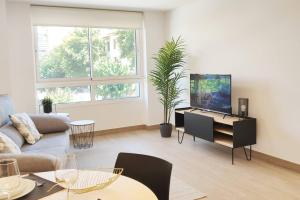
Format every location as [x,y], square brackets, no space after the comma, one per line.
[122,188]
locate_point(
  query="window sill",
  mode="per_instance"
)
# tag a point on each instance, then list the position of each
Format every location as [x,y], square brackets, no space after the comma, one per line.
[99,103]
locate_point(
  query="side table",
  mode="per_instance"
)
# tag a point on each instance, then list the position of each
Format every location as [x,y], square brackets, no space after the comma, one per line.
[82,133]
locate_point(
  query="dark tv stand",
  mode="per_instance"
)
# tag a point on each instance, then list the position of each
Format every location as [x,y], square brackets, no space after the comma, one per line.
[226,130]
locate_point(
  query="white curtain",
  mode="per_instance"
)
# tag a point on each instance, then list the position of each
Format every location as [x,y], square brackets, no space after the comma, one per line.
[59,16]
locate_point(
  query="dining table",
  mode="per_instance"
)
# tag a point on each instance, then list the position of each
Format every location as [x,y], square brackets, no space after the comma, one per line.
[122,188]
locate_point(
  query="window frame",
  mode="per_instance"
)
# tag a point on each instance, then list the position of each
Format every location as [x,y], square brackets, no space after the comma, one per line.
[94,81]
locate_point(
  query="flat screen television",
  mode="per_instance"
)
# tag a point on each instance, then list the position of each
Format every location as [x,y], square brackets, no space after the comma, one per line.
[211,92]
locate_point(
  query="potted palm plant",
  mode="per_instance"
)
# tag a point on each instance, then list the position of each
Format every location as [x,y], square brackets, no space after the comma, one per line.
[47,104]
[169,64]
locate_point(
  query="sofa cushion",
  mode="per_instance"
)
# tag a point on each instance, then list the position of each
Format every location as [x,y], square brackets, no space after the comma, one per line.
[13,134]
[6,109]
[46,123]
[7,145]
[56,143]
[55,151]
[26,127]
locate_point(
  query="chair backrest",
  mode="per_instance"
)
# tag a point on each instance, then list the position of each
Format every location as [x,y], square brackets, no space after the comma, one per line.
[6,109]
[153,172]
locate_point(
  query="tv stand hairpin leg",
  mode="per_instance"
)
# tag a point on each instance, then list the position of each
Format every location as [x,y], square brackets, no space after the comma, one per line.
[180,138]
[246,155]
[232,156]
[250,151]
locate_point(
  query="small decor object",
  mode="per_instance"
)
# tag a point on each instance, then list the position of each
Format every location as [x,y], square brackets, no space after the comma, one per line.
[243,107]
[169,64]
[66,172]
[89,180]
[9,177]
[12,185]
[82,133]
[47,104]
[26,127]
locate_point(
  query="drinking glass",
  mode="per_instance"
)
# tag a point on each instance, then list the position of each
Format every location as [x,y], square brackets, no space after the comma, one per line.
[66,172]
[9,177]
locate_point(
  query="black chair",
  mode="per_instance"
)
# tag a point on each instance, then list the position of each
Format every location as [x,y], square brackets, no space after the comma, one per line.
[153,172]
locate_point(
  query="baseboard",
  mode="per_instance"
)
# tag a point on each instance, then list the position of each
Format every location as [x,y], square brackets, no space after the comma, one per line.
[128,128]
[152,127]
[122,129]
[276,161]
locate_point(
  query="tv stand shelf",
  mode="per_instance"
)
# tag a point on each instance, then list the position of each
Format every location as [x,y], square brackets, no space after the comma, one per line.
[223,140]
[224,130]
[229,131]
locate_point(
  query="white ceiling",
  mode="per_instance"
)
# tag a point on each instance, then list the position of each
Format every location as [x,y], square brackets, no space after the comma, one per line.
[114,4]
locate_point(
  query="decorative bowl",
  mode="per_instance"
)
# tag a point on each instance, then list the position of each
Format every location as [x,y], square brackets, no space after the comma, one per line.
[89,180]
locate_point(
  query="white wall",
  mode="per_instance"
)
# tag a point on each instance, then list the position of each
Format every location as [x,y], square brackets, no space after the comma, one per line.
[21,59]
[108,115]
[154,37]
[258,43]
[4,70]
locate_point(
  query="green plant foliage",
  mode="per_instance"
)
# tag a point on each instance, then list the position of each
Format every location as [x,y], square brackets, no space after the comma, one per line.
[103,64]
[169,64]
[117,91]
[47,101]
[60,95]
[127,46]
[71,59]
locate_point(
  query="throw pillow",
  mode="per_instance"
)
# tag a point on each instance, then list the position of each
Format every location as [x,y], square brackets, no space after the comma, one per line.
[26,127]
[7,145]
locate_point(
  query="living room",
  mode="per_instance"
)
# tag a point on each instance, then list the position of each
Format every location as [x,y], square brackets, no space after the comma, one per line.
[72,51]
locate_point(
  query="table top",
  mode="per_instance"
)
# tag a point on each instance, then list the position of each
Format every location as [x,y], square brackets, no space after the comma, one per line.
[122,188]
[82,122]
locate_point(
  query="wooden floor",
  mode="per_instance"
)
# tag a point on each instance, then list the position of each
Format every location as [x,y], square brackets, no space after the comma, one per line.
[203,165]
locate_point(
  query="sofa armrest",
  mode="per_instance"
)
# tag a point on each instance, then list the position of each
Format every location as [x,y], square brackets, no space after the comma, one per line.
[46,123]
[33,162]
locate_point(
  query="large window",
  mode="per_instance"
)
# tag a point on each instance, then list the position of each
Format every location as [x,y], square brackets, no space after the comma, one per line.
[78,64]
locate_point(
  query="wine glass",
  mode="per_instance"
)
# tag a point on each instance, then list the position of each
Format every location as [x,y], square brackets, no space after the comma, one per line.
[66,172]
[9,177]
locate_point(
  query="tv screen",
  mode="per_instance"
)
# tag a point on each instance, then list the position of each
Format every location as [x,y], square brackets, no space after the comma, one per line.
[211,92]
